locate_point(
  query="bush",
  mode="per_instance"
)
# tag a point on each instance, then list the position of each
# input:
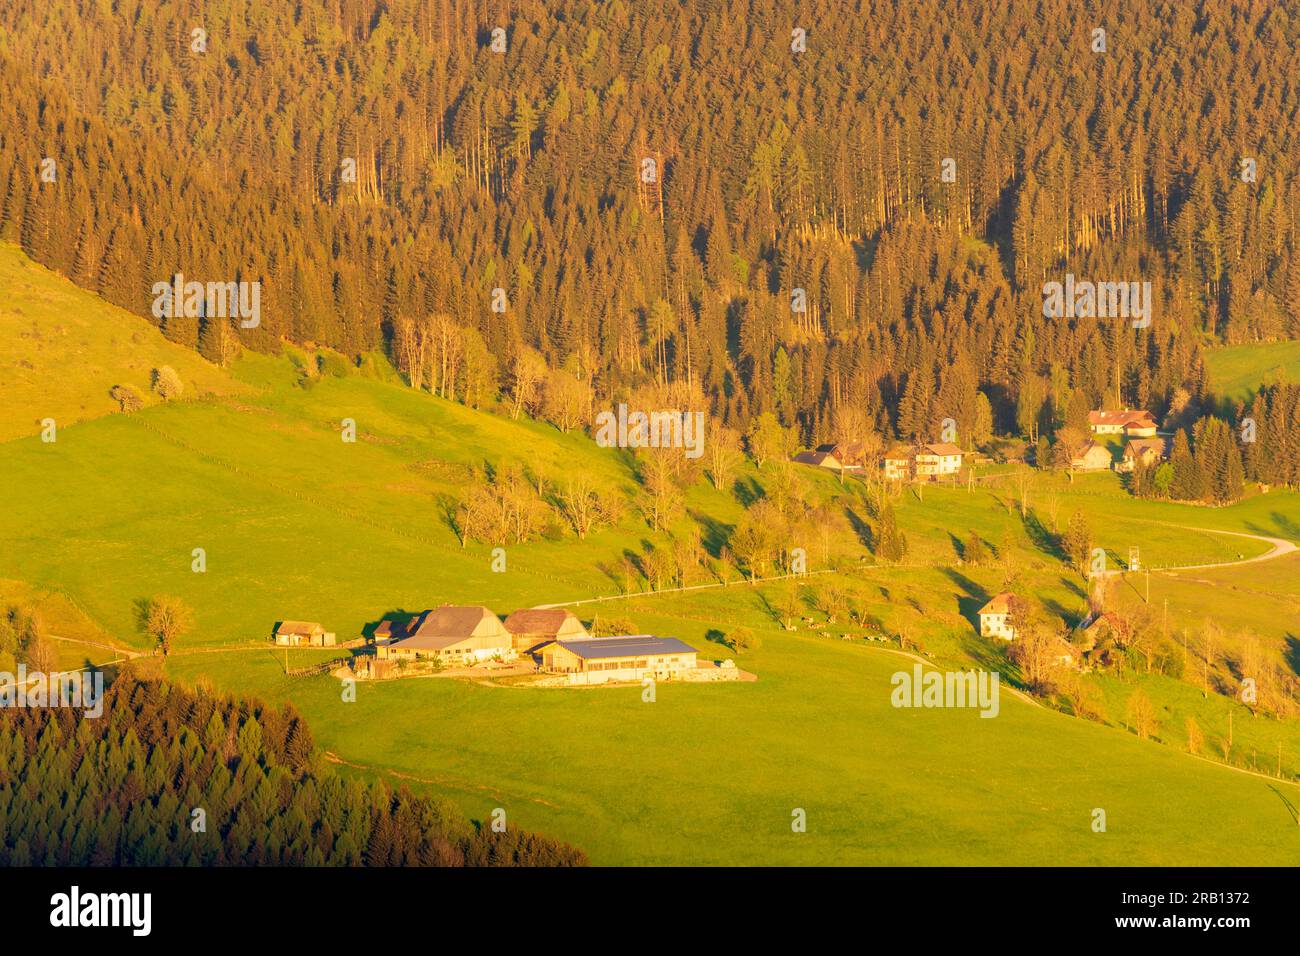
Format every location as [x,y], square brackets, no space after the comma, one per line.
[128,397]
[333,364]
[167,383]
[742,639]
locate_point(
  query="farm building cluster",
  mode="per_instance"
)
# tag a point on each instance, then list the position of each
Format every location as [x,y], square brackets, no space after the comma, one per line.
[937,461]
[551,641]
[1089,646]
[922,462]
[1142,447]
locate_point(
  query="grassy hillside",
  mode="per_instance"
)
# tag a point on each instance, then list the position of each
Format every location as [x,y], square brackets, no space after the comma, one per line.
[711,775]
[62,349]
[1237,371]
[297,523]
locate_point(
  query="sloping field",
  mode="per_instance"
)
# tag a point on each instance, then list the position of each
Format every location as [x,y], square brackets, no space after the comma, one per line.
[62,349]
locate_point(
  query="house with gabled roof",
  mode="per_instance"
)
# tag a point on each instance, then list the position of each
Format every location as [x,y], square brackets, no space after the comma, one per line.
[303,633]
[1142,452]
[1131,423]
[822,457]
[929,461]
[843,456]
[1094,456]
[995,617]
[937,460]
[534,626]
[453,634]
[897,463]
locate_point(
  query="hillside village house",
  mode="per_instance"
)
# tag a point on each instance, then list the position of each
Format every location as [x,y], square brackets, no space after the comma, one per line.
[937,461]
[453,635]
[1094,457]
[928,462]
[823,457]
[598,660]
[897,463]
[995,617]
[1097,625]
[1130,424]
[1143,452]
[846,456]
[1092,630]
[303,633]
[535,626]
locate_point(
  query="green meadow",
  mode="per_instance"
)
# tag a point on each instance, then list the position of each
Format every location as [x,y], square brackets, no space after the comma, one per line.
[1237,371]
[713,774]
[295,523]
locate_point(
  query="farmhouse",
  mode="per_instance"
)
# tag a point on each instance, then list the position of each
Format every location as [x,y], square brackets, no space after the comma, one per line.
[1143,452]
[455,635]
[847,456]
[1064,654]
[995,617]
[1131,424]
[927,462]
[937,461]
[536,626]
[822,457]
[1094,626]
[897,464]
[303,633]
[602,659]
[1094,457]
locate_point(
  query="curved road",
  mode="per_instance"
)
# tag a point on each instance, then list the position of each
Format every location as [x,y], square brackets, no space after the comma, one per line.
[1280,546]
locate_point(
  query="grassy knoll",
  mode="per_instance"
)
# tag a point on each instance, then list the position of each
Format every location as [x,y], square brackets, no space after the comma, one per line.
[62,349]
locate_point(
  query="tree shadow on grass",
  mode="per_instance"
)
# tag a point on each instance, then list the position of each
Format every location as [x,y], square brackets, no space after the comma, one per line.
[747,491]
[988,656]
[973,597]
[1285,526]
[714,534]
[1042,539]
[1055,607]
[1292,652]
[861,528]
[1074,587]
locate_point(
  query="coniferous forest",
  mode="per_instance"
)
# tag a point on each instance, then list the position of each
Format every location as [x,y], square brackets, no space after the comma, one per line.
[824,211]
[174,777]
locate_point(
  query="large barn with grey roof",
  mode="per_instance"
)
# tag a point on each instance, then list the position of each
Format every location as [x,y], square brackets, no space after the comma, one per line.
[627,658]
